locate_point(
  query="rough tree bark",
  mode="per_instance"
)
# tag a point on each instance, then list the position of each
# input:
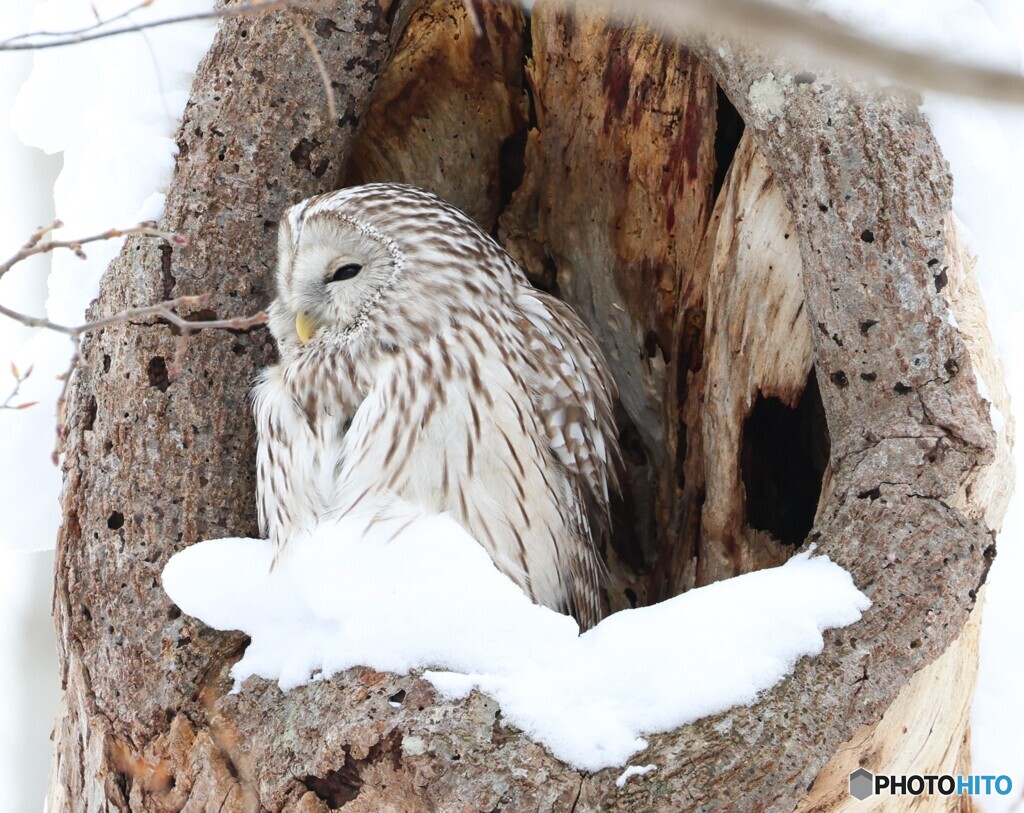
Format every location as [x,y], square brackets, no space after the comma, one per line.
[800,297]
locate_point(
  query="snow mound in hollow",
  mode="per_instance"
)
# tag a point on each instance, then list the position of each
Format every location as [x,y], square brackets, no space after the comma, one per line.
[415,592]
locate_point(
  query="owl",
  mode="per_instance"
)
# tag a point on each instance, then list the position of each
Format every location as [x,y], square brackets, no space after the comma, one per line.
[417,362]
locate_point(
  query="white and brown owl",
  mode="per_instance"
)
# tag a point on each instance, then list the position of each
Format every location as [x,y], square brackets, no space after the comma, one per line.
[417,362]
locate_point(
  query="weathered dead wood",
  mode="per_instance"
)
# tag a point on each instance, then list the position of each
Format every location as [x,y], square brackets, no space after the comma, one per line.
[756,357]
[926,728]
[450,108]
[147,725]
[611,213]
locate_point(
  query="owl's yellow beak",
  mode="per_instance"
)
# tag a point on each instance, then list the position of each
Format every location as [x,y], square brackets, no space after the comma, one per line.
[305,327]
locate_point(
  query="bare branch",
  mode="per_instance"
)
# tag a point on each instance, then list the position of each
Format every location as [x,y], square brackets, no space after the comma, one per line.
[815,36]
[164,311]
[46,39]
[87,29]
[34,244]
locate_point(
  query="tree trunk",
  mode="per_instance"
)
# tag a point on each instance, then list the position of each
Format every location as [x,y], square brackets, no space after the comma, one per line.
[779,333]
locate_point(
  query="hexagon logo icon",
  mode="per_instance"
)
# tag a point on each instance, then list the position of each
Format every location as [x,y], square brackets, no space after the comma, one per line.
[862,784]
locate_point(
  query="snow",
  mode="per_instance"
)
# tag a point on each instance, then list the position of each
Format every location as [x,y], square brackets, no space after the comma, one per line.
[114,126]
[348,596]
[109,108]
[631,771]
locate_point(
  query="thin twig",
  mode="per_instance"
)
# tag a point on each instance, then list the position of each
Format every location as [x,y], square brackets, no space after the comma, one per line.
[325,76]
[19,379]
[85,30]
[59,39]
[163,310]
[35,244]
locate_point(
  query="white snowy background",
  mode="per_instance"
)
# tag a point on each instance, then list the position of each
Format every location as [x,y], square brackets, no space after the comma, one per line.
[107,112]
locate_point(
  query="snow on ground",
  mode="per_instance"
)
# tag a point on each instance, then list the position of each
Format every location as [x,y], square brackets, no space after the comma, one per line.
[345,597]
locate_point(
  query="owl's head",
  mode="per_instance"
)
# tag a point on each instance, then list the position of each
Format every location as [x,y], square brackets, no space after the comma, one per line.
[381,262]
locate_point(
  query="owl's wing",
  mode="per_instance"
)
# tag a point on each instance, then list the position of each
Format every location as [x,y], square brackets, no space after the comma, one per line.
[574,394]
[286,491]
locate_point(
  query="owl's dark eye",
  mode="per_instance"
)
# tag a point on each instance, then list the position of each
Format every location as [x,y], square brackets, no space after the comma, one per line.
[344,272]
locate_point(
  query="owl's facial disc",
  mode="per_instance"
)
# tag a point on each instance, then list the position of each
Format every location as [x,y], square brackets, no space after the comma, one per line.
[335,276]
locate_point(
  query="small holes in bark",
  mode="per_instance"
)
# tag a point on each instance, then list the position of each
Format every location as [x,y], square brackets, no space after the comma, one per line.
[397,698]
[823,207]
[932,262]
[866,325]
[90,414]
[157,372]
[867,236]
[106,363]
[653,347]
[115,520]
[901,389]
[941,280]
[952,367]
[868,376]
[325,27]
[784,454]
[871,494]
[804,78]
[840,379]
[916,643]
[341,786]
[301,154]
[173,612]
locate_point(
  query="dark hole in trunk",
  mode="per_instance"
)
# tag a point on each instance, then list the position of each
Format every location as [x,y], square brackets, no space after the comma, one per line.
[728,130]
[785,451]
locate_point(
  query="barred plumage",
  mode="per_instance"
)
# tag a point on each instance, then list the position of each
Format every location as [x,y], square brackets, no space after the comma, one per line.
[417,361]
